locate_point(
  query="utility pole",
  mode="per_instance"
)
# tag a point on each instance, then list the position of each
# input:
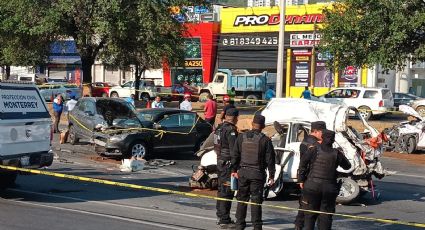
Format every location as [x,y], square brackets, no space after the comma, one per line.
[281,51]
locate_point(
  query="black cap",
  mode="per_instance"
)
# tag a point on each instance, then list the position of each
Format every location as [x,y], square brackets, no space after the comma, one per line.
[318,125]
[259,119]
[232,112]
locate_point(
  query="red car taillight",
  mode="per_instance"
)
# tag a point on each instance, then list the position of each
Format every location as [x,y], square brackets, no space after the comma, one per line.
[381,103]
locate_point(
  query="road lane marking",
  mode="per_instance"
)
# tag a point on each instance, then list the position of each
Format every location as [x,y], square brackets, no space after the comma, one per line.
[104,215]
[408,175]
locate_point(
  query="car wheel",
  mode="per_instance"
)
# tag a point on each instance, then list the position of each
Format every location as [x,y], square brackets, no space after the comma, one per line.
[251,100]
[145,97]
[421,110]
[348,192]
[104,95]
[138,149]
[114,94]
[203,97]
[7,179]
[410,145]
[365,112]
[73,139]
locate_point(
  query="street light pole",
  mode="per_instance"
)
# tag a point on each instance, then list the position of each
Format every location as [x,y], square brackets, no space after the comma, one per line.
[281,51]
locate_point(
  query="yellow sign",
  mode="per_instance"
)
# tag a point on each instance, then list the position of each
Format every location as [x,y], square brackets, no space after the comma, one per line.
[266,19]
[193,63]
[302,58]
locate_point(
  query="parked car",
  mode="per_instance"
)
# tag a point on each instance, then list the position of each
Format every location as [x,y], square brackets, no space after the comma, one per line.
[404,99]
[369,101]
[419,106]
[117,128]
[100,89]
[147,88]
[48,91]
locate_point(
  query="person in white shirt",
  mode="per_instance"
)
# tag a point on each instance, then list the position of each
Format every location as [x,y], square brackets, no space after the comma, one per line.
[186,104]
[157,103]
[70,105]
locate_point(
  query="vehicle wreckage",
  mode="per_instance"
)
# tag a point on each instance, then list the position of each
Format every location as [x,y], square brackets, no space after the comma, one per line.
[287,130]
[408,136]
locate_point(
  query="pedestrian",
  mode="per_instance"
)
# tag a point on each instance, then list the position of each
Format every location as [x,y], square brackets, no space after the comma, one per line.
[131,99]
[69,106]
[270,93]
[157,103]
[57,111]
[224,139]
[210,110]
[319,183]
[253,154]
[306,94]
[228,104]
[186,104]
[312,140]
[180,90]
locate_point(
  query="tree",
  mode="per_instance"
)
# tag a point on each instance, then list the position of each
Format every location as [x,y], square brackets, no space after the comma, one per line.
[146,37]
[369,32]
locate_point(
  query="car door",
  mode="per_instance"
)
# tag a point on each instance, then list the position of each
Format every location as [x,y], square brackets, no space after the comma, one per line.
[126,89]
[85,115]
[180,133]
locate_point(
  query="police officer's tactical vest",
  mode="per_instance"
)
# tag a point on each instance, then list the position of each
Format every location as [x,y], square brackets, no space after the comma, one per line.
[223,152]
[324,166]
[250,156]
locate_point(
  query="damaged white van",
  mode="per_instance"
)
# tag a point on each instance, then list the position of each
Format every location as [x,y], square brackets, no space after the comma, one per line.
[289,121]
[25,129]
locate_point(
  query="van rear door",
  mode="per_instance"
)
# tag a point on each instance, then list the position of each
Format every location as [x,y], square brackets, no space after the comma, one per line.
[24,120]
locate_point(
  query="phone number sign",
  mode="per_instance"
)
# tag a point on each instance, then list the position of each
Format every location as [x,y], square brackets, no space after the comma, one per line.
[252,40]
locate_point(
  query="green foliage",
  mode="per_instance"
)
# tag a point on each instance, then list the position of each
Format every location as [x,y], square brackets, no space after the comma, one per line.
[368,32]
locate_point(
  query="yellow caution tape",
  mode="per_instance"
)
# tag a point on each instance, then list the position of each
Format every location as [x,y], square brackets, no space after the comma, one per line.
[193,195]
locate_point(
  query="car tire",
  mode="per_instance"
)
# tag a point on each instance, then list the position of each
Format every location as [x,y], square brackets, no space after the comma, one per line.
[203,97]
[365,112]
[114,94]
[421,110]
[7,179]
[410,143]
[251,100]
[138,149]
[73,138]
[348,192]
[104,95]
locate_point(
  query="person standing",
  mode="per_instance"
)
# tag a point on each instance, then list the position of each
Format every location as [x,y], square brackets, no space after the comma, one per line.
[270,93]
[224,139]
[227,105]
[70,105]
[157,103]
[57,111]
[320,181]
[253,154]
[210,110]
[186,104]
[306,94]
[312,140]
[131,99]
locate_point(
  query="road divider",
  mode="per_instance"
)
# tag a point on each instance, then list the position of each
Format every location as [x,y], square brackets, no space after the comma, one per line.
[194,195]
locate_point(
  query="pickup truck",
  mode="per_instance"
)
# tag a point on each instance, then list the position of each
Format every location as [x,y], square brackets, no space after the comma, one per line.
[241,84]
[25,129]
[147,88]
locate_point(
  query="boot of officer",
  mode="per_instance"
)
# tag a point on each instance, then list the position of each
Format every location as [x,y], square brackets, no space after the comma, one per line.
[320,189]
[253,153]
[224,139]
[314,139]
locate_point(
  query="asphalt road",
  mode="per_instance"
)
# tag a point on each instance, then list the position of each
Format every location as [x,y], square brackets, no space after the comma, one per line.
[40,202]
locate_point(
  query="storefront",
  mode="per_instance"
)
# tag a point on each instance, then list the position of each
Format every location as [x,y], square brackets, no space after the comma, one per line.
[200,53]
[249,40]
[64,62]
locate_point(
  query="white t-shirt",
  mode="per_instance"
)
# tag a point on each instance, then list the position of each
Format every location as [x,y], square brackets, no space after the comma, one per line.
[157,104]
[186,105]
[70,105]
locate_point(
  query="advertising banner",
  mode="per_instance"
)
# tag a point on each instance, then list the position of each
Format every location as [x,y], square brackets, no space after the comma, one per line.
[351,76]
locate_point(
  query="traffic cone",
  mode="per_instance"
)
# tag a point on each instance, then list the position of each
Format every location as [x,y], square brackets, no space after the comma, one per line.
[148,104]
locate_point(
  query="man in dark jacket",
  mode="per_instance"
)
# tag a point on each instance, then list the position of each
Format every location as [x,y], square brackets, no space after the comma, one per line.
[309,141]
[224,139]
[320,188]
[253,154]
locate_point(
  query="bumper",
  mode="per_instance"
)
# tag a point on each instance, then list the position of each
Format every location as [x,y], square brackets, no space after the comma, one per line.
[381,111]
[28,160]
[109,149]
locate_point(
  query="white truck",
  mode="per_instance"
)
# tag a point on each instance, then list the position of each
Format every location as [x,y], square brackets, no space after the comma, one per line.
[25,129]
[147,90]
[238,83]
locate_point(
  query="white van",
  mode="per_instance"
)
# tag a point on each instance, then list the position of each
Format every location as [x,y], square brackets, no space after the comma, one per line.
[25,129]
[369,101]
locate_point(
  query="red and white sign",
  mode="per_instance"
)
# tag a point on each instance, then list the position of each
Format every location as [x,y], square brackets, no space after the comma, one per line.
[274,19]
[304,40]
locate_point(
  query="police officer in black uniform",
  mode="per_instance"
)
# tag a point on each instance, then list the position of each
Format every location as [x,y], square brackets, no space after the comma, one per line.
[320,183]
[224,139]
[309,141]
[253,153]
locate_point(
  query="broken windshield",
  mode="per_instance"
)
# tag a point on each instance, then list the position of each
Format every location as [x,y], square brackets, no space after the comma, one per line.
[117,113]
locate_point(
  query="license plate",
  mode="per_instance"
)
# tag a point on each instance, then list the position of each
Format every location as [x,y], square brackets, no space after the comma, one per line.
[25,161]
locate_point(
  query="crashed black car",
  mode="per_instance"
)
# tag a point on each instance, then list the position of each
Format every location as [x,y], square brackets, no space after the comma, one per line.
[118,129]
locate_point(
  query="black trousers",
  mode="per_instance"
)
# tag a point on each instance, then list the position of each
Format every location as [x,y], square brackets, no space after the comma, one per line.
[319,195]
[57,116]
[299,219]
[224,191]
[250,188]
[211,121]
